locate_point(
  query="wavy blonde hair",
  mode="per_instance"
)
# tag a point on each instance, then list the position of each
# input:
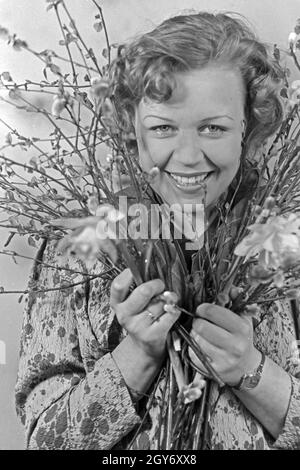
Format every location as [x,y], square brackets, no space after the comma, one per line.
[145,67]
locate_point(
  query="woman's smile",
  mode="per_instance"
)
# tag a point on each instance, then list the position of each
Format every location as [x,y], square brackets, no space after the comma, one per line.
[190,183]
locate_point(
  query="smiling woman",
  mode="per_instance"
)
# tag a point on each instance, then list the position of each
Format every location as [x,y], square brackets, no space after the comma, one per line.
[199,102]
[194,100]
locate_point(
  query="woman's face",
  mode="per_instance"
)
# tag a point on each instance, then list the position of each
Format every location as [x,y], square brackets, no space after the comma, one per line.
[194,138]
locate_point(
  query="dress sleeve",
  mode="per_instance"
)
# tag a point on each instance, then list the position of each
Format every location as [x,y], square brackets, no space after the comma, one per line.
[289,437]
[285,352]
[62,402]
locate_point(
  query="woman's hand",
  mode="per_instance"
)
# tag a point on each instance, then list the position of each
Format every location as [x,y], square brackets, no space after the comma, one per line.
[136,313]
[228,341]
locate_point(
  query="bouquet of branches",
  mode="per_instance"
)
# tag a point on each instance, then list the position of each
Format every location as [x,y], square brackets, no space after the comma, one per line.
[82,185]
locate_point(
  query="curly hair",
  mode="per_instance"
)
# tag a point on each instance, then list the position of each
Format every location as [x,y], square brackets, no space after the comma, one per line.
[145,67]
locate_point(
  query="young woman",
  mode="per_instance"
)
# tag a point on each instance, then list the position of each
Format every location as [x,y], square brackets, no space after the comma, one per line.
[199,93]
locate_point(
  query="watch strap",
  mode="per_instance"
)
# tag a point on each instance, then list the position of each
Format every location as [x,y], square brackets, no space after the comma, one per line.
[256,373]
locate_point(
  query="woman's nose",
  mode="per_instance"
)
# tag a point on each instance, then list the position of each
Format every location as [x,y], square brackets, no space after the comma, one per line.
[188,150]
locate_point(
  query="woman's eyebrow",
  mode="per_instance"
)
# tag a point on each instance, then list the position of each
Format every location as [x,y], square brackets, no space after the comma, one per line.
[158,117]
[210,118]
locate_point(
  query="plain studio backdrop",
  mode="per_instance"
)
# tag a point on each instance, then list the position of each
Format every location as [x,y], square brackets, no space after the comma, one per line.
[273,20]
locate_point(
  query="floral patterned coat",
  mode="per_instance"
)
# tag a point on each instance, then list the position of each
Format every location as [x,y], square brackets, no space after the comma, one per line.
[71,395]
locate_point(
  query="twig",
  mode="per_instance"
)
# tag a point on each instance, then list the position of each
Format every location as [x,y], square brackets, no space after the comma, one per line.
[104,29]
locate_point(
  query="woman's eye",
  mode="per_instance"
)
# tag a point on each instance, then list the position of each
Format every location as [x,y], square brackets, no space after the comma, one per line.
[162,129]
[212,129]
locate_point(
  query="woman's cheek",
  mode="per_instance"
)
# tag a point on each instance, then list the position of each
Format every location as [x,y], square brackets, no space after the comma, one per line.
[152,154]
[145,155]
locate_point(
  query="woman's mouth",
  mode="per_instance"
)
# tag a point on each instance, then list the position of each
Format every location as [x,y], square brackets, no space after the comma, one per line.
[190,182]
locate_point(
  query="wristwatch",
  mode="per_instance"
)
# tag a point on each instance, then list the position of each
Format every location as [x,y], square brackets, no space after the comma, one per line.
[250,381]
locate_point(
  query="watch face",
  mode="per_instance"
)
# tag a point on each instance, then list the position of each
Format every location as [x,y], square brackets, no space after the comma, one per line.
[251,381]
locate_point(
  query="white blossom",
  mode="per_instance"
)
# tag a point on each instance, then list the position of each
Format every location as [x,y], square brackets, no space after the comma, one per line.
[292,40]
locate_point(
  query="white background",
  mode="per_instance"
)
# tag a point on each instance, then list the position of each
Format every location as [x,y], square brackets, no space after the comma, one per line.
[272,19]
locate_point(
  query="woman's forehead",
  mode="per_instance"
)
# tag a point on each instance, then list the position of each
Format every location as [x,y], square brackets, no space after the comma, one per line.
[212,89]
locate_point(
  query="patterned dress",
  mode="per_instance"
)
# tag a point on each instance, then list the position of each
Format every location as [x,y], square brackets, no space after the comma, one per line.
[71,395]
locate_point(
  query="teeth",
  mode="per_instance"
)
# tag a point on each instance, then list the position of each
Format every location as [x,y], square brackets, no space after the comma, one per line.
[189,180]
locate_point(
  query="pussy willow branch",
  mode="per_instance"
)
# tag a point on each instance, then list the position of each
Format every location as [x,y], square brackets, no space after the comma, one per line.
[44,208]
[30,203]
[70,182]
[66,44]
[29,90]
[40,86]
[284,128]
[72,66]
[14,254]
[51,289]
[22,231]
[74,190]
[96,120]
[84,66]
[104,29]
[28,196]
[39,56]
[30,216]
[93,58]
[95,168]
[45,113]
[27,167]
[88,69]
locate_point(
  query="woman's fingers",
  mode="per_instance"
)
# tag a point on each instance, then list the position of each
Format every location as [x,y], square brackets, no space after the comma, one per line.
[220,316]
[138,299]
[207,348]
[167,319]
[142,296]
[120,287]
[214,334]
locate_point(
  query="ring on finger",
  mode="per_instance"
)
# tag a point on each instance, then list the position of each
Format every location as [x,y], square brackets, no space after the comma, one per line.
[152,316]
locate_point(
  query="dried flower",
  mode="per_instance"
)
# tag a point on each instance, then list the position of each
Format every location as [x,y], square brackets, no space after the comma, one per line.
[193,391]
[270,203]
[92,234]
[252,310]
[273,241]
[153,174]
[292,40]
[84,242]
[235,292]
[171,298]
[170,309]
